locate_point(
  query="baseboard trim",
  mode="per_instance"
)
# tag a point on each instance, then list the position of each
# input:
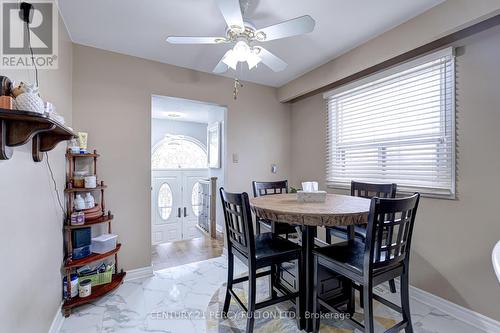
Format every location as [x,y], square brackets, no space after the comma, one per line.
[57,322]
[139,273]
[480,321]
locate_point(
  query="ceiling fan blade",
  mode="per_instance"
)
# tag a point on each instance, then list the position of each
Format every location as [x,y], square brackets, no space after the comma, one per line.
[271,61]
[195,40]
[221,66]
[231,11]
[297,26]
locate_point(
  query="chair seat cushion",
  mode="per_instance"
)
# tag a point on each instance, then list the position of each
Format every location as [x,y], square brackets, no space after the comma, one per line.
[268,246]
[348,254]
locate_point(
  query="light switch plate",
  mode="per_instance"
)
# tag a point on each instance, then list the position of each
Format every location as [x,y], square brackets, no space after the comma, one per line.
[236,158]
[274,168]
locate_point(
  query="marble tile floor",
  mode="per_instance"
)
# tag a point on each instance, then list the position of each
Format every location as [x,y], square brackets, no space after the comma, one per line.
[186,251]
[187,299]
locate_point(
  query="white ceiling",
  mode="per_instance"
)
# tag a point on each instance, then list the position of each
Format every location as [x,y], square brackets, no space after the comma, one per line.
[188,110]
[139,28]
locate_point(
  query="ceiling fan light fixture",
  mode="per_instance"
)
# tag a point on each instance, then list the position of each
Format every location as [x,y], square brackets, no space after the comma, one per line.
[241,51]
[253,60]
[230,59]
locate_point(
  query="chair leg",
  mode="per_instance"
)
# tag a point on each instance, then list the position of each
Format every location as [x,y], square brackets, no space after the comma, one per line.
[257,227]
[252,278]
[298,300]
[405,300]
[272,281]
[328,236]
[361,298]
[368,308]
[230,270]
[392,286]
[351,305]
[316,306]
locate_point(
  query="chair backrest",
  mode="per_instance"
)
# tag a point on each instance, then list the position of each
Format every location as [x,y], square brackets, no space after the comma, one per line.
[267,188]
[389,232]
[369,190]
[239,226]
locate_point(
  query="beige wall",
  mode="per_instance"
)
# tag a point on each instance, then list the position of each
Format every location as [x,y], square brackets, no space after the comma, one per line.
[112,101]
[437,22]
[453,239]
[31,245]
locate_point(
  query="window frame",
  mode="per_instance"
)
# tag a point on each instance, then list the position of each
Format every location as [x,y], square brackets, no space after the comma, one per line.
[426,191]
[170,137]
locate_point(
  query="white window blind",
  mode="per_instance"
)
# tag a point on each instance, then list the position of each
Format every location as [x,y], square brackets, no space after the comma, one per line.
[396,126]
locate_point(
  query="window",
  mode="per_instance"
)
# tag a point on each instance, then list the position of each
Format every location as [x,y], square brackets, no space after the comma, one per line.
[179,152]
[165,201]
[396,126]
[196,194]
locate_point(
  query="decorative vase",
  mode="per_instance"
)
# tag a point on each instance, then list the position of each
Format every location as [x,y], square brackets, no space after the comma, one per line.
[29,102]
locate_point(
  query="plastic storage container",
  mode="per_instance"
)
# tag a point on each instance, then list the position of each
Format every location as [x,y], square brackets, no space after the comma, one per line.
[80,252]
[103,243]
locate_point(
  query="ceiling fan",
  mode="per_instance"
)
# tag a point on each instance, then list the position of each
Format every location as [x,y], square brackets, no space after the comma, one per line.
[244,35]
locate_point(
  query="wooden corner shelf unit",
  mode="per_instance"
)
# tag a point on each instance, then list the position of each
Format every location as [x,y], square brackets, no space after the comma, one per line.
[18,127]
[71,264]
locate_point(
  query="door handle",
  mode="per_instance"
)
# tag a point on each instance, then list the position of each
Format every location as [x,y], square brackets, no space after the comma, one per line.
[185,212]
[179,212]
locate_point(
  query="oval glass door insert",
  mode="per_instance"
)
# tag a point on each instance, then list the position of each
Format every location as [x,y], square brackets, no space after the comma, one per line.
[165,201]
[196,198]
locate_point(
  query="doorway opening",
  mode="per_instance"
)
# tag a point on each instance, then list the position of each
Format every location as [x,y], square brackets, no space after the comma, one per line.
[187,164]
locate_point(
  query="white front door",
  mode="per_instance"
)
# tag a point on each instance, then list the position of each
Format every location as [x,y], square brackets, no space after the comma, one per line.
[192,204]
[175,204]
[166,211]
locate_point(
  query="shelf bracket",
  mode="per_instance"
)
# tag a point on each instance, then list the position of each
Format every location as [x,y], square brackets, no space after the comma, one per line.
[35,149]
[43,143]
[5,151]
[20,133]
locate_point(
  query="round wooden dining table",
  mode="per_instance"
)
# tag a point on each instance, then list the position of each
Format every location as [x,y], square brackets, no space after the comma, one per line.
[337,210]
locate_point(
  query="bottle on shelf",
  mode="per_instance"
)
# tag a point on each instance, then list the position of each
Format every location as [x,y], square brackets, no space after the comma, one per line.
[89,201]
[79,202]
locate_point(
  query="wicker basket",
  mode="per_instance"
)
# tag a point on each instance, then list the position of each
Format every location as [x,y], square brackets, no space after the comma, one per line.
[99,278]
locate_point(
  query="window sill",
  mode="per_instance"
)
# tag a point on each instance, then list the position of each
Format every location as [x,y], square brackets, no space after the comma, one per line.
[403,191]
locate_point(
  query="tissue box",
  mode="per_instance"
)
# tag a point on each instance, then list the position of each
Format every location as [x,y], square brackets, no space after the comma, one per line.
[314,196]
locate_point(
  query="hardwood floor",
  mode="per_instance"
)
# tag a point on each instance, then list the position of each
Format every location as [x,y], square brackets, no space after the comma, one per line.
[186,251]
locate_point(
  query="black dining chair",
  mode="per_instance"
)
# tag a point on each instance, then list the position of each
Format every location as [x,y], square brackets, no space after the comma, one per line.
[384,255]
[257,252]
[270,188]
[364,190]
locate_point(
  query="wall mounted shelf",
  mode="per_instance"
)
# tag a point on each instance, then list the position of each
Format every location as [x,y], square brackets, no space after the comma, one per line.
[18,127]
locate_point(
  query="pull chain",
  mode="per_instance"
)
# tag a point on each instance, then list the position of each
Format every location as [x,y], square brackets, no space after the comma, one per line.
[237,84]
